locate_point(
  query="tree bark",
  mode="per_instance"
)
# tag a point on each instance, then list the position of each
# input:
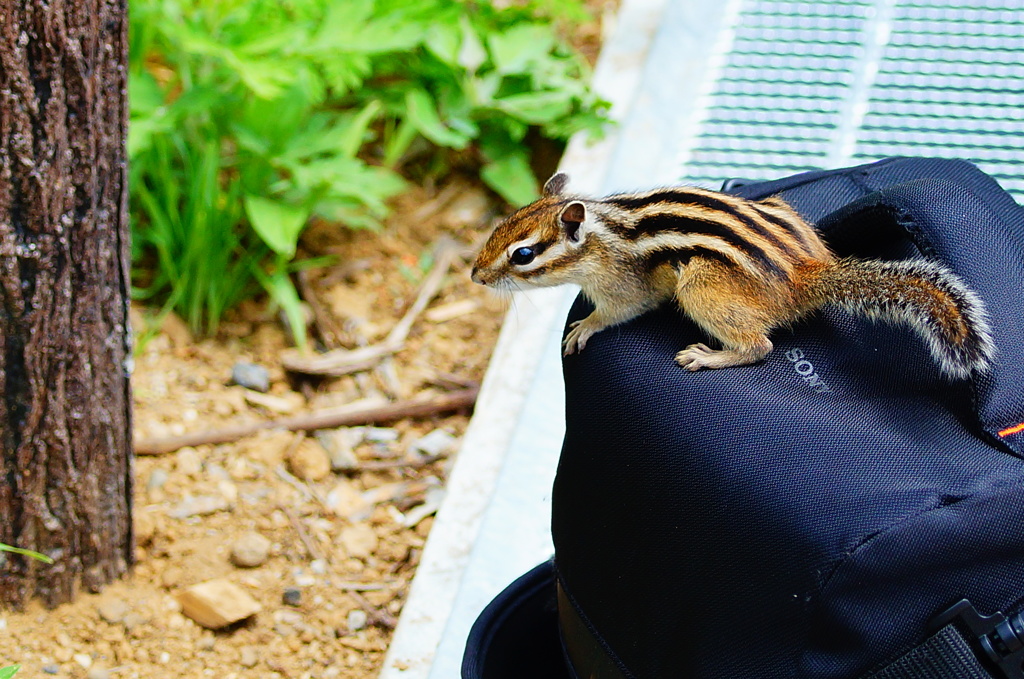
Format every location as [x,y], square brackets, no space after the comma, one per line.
[65,407]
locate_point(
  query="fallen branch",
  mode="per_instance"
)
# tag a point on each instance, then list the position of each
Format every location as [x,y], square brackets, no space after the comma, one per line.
[376,615]
[338,362]
[330,418]
[381,465]
[304,536]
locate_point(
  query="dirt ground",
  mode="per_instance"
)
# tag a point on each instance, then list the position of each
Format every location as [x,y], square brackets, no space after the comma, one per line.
[341,545]
[323,531]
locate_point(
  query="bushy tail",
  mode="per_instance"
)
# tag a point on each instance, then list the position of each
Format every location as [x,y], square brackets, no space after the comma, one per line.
[924,295]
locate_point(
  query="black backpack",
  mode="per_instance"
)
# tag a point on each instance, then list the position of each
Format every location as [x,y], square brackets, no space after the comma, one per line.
[837,511]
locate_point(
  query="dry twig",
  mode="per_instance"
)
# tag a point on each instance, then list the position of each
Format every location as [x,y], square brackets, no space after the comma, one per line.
[376,615]
[304,536]
[345,361]
[330,418]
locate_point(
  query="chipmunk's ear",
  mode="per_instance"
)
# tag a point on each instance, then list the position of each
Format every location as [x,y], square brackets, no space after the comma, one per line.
[555,185]
[573,214]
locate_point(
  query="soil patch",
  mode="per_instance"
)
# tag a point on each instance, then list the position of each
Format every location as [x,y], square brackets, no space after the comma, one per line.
[326,550]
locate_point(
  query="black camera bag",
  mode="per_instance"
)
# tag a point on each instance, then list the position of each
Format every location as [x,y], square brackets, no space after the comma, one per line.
[838,511]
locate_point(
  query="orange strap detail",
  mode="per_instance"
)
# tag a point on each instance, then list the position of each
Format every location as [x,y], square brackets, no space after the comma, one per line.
[1012,430]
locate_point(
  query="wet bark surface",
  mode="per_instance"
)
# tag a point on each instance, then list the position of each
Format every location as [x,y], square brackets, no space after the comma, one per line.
[65,419]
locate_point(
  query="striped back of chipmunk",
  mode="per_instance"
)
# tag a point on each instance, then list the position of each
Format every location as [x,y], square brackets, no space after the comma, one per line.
[766,238]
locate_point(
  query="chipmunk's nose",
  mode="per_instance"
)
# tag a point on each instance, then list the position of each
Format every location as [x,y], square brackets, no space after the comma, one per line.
[475,276]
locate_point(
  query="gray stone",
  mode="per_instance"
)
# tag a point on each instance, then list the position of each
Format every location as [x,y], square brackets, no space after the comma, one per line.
[251,376]
[340,446]
[357,619]
[437,442]
[187,462]
[157,479]
[251,550]
[113,610]
[380,435]
[292,596]
[249,656]
[202,505]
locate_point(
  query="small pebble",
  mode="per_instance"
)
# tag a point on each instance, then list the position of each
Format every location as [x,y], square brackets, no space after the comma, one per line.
[251,376]
[250,550]
[309,461]
[437,442]
[51,669]
[145,527]
[202,505]
[133,620]
[359,540]
[249,657]
[217,603]
[340,446]
[318,566]
[356,619]
[113,610]
[292,596]
[98,673]
[305,580]
[188,462]
[346,500]
[84,660]
[380,435]
[157,479]
[172,577]
[217,472]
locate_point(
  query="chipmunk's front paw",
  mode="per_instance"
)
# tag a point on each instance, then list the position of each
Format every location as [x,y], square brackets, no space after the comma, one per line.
[579,333]
[697,356]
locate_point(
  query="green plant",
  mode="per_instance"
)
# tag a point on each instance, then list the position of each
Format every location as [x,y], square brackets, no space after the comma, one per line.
[25,552]
[9,671]
[249,118]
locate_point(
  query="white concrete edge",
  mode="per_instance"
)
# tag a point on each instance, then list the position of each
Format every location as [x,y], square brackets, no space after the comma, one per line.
[509,376]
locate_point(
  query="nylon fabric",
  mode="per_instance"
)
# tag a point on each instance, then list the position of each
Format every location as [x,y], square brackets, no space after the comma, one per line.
[946,655]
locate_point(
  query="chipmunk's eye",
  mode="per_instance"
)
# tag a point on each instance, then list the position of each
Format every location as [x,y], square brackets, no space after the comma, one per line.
[523,256]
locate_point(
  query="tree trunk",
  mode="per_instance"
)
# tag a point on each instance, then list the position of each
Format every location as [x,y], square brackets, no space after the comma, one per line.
[65,407]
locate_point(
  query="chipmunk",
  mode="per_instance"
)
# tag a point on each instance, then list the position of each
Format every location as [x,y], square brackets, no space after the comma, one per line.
[738,268]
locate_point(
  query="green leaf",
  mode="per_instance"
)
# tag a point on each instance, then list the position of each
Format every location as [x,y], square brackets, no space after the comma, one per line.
[536,108]
[512,178]
[398,142]
[278,224]
[267,80]
[444,41]
[516,49]
[144,93]
[472,54]
[355,133]
[281,289]
[25,552]
[8,672]
[142,131]
[421,111]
